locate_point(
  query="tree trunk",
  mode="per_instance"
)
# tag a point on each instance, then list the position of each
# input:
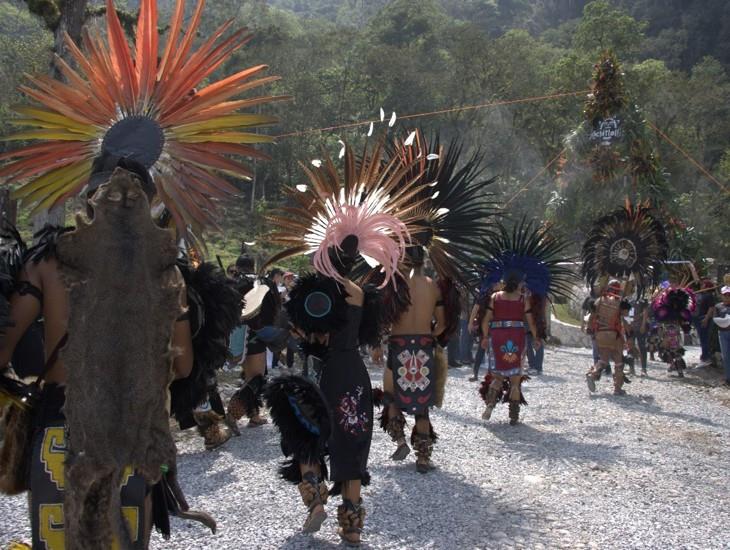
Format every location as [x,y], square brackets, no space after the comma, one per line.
[253,187]
[73,14]
[8,207]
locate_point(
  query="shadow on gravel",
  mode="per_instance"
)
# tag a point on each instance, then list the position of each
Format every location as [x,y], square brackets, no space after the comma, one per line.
[581,352]
[690,379]
[299,541]
[644,404]
[443,510]
[462,372]
[534,444]
[257,445]
[546,378]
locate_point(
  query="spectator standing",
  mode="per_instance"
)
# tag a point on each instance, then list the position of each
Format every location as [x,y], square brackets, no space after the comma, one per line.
[588,309]
[536,356]
[640,331]
[701,319]
[721,315]
[465,338]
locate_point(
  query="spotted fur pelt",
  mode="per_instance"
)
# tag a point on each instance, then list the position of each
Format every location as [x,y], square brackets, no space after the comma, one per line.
[124,295]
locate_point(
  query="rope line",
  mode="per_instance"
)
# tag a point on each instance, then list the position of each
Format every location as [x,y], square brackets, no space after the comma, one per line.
[485,105]
[535,177]
[689,157]
[433,113]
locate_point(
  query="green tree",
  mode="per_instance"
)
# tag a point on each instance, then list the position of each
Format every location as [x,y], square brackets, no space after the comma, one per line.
[604,27]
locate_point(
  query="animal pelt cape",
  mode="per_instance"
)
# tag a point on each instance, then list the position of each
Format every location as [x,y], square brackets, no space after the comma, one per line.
[124,298]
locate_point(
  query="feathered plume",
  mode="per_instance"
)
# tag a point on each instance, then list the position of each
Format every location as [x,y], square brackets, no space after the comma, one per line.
[144,105]
[12,256]
[674,304]
[629,241]
[215,309]
[317,304]
[534,252]
[456,212]
[368,203]
[300,411]
[381,238]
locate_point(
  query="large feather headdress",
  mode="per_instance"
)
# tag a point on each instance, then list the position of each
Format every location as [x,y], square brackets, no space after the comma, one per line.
[455,208]
[156,108]
[368,201]
[535,253]
[629,241]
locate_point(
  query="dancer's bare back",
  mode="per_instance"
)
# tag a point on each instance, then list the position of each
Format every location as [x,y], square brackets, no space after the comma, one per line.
[424,309]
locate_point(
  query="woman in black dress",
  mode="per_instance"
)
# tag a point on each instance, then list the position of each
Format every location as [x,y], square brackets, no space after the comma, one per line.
[345,384]
[340,220]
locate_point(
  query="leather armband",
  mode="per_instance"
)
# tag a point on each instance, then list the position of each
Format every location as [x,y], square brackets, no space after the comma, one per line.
[26,287]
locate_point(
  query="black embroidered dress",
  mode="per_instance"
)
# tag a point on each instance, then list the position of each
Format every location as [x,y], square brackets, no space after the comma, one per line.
[346,385]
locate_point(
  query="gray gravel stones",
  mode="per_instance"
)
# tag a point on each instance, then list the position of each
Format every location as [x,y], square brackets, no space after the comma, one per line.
[647,470]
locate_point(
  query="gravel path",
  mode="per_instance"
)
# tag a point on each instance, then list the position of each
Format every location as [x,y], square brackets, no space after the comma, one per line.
[647,470]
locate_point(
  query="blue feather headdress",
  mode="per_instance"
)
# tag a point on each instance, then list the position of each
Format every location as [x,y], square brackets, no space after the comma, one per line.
[534,254]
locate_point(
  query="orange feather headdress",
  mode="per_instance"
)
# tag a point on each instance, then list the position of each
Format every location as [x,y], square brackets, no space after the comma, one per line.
[144,105]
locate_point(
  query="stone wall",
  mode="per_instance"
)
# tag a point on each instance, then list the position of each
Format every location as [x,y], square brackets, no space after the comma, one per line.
[567,334]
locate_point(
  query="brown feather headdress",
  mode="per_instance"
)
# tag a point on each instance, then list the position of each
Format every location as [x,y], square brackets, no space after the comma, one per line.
[369,201]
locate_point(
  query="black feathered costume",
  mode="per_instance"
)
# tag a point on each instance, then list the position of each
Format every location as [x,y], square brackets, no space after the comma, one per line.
[338,218]
[214,306]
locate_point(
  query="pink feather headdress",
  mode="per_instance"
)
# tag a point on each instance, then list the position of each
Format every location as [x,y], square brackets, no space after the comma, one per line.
[368,201]
[674,304]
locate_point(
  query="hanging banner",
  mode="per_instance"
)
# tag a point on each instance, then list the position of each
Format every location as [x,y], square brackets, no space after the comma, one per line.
[606,131]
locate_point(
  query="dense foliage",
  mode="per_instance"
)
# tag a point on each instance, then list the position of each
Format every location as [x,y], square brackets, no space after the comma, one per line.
[342,60]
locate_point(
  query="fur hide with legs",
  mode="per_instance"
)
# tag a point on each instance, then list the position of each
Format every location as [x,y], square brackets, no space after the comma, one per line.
[124,298]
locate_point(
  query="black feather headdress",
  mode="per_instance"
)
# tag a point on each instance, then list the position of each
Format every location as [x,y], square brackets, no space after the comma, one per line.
[12,255]
[457,211]
[46,241]
[535,253]
[630,241]
[13,252]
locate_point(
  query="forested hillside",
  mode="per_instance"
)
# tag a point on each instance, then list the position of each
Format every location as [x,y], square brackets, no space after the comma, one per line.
[341,61]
